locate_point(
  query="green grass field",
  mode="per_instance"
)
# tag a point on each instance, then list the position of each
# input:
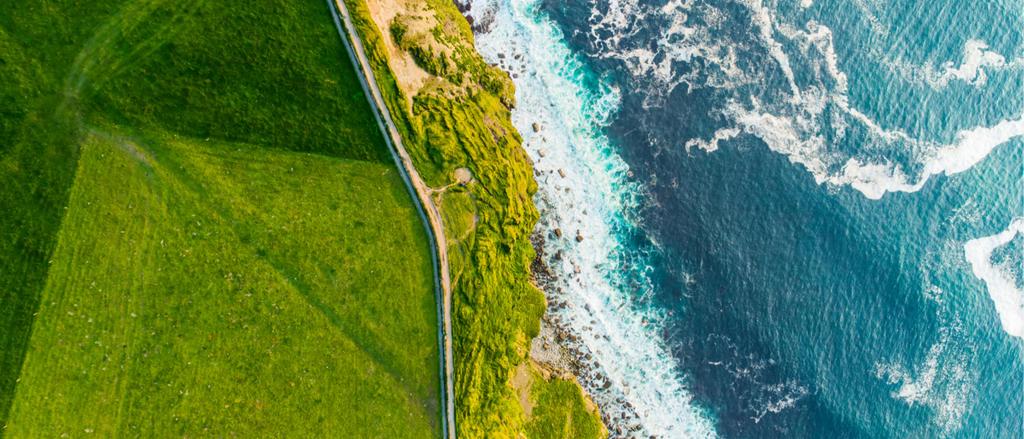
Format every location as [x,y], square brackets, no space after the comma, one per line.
[213,287]
[202,234]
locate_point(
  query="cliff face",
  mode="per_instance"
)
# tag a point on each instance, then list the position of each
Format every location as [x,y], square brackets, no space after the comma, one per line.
[453,111]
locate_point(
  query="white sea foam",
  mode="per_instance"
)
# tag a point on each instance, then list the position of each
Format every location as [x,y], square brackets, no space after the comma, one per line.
[970,148]
[977,63]
[1003,288]
[621,336]
[870,12]
[872,178]
[814,116]
[787,395]
[711,145]
[676,42]
[977,57]
[763,21]
[798,135]
[943,382]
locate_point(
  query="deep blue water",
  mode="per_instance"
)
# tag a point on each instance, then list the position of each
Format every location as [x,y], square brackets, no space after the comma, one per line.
[813,259]
[798,290]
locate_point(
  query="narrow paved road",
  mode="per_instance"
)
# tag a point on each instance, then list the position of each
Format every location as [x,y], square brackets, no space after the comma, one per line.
[429,213]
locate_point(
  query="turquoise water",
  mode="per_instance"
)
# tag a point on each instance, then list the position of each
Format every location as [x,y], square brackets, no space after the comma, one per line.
[803,218]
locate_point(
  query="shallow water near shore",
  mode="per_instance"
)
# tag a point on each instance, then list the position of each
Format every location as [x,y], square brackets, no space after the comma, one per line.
[794,219]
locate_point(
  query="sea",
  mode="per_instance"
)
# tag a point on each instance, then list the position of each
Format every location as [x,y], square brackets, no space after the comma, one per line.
[779,218]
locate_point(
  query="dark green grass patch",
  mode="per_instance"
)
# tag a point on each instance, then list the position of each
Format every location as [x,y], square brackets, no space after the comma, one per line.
[271,72]
[37,164]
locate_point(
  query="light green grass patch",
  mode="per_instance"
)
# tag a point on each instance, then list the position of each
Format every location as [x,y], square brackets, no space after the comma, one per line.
[216,289]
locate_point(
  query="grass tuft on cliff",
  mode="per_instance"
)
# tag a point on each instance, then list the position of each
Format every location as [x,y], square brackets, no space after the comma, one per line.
[561,412]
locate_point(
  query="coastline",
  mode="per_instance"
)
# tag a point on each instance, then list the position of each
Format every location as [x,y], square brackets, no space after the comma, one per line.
[453,111]
[553,353]
[599,288]
[559,351]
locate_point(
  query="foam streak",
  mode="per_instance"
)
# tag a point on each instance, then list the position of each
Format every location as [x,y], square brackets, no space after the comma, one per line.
[1002,288]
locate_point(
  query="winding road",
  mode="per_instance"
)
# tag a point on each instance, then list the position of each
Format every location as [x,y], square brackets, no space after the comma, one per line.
[428,211]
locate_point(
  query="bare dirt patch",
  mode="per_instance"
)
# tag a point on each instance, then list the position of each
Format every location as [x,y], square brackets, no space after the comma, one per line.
[411,77]
[522,382]
[463,176]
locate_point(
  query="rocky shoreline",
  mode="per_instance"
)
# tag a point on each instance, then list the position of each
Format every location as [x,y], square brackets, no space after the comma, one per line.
[562,352]
[557,348]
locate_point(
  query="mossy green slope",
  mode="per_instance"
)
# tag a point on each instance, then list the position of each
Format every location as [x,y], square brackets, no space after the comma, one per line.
[204,108]
[463,120]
